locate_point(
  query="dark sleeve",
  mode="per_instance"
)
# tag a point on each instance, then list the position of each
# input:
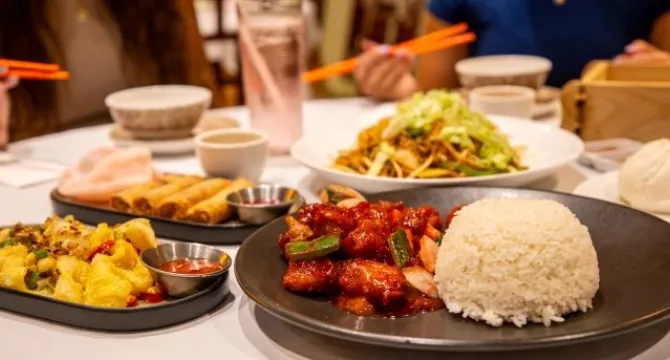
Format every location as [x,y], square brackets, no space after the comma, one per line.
[450,11]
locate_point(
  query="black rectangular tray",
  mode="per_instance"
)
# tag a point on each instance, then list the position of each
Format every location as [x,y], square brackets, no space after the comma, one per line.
[150,317]
[227,233]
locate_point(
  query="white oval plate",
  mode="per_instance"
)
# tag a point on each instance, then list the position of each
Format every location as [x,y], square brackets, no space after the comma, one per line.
[546,149]
[606,187]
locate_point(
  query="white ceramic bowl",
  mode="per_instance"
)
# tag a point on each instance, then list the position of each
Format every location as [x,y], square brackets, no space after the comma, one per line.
[506,100]
[546,149]
[159,112]
[232,153]
[521,70]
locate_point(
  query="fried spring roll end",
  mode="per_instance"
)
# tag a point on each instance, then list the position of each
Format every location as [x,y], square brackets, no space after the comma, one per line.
[118,203]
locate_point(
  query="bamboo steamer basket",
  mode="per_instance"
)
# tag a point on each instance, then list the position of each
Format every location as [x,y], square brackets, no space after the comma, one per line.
[614,101]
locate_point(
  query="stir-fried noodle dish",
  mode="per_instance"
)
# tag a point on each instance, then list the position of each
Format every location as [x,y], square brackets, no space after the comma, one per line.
[432,135]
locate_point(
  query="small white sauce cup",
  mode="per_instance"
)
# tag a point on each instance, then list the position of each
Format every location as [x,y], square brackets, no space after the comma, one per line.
[508,100]
[232,153]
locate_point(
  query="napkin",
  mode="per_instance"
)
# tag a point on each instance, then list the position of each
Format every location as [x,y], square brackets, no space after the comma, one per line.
[26,173]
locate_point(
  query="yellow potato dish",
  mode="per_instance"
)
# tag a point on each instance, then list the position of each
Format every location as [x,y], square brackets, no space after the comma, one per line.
[69,261]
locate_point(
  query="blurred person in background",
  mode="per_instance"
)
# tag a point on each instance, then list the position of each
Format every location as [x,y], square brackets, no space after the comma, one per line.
[106,46]
[5,105]
[570,33]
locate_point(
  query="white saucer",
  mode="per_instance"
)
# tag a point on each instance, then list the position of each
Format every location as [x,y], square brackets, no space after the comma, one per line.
[157,147]
[547,109]
[605,187]
[209,121]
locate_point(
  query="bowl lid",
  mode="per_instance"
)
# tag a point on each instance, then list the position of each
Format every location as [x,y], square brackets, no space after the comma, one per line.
[503,65]
[158,97]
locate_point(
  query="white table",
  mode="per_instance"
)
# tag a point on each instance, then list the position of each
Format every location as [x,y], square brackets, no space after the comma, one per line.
[239,330]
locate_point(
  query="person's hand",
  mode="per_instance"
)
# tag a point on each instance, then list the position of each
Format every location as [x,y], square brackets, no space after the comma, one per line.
[640,52]
[383,74]
[5,84]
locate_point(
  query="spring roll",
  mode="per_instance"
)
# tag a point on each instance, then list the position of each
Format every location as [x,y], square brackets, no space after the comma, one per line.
[176,205]
[123,201]
[174,177]
[147,204]
[216,209]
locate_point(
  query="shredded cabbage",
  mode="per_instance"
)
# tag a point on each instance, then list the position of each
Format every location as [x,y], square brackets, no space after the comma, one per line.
[462,125]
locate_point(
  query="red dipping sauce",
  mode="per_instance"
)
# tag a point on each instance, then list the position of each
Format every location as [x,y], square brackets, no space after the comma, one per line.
[191,266]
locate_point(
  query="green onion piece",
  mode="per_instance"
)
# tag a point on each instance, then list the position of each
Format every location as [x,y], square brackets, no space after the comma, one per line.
[400,249]
[414,132]
[305,250]
[41,254]
[466,169]
[31,281]
[9,242]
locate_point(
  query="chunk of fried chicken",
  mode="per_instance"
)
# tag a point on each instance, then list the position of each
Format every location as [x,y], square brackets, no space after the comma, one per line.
[367,241]
[356,305]
[327,219]
[379,283]
[296,232]
[416,219]
[312,276]
[422,303]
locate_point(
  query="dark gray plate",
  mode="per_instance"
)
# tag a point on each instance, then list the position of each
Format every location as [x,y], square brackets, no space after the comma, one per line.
[633,251]
[227,233]
[231,232]
[143,318]
[170,312]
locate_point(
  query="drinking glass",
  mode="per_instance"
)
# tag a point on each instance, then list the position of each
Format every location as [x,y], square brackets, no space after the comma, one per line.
[272,43]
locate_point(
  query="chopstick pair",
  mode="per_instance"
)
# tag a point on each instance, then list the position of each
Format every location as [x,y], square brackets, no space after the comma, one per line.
[438,40]
[33,70]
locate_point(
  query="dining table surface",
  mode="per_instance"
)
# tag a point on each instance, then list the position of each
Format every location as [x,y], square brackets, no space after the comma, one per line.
[238,329]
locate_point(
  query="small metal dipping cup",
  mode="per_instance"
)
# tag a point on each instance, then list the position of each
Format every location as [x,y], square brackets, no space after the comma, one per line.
[182,285]
[264,202]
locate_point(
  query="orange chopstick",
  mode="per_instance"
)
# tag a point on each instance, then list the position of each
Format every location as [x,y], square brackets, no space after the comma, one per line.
[38,75]
[336,69]
[348,66]
[28,65]
[444,44]
[436,35]
[429,41]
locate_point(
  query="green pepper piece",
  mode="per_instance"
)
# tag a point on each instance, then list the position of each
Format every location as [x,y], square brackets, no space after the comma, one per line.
[304,250]
[31,281]
[438,240]
[41,254]
[400,249]
[9,242]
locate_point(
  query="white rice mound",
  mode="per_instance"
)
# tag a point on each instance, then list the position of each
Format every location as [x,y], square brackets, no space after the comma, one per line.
[517,260]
